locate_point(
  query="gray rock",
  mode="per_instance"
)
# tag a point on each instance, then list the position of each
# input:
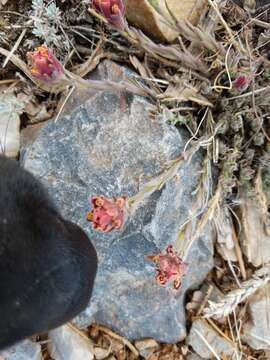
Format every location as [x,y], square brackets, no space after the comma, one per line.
[104,146]
[202,336]
[256,332]
[25,350]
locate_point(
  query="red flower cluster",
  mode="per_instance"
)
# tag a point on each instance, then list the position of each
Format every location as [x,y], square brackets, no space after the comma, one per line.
[241,83]
[44,65]
[169,267]
[107,214]
[112,10]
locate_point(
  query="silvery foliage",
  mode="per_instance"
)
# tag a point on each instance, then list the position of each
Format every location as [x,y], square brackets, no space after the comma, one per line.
[47,19]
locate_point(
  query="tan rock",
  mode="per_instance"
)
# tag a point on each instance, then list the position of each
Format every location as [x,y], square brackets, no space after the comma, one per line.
[146,347]
[256,331]
[142,15]
[10,110]
[225,235]
[255,232]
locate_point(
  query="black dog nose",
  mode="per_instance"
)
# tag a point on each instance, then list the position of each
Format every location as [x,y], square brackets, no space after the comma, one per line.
[47,265]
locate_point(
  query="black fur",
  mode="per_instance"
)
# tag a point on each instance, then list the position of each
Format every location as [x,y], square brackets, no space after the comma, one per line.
[47,264]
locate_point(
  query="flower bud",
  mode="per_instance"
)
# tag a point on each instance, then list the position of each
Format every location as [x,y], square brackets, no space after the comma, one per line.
[112,10]
[241,83]
[44,65]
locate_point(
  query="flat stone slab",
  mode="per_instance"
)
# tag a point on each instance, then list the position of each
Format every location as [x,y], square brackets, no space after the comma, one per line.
[202,336]
[256,331]
[109,145]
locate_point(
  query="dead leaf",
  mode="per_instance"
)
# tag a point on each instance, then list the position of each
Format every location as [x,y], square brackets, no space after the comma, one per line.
[254,235]
[10,110]
[225,241]
[184,93]
[138,66]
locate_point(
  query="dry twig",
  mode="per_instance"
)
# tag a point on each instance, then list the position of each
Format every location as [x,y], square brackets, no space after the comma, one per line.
[230,301]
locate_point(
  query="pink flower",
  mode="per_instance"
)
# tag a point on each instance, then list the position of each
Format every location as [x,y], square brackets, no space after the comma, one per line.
[107,214]
[44,65]
[112,10]
[241,83]
[169,267]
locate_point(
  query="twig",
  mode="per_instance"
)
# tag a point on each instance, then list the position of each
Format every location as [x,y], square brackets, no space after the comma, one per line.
[214,5]
[208,215]
[211,322]
[250,93]
[238,253]
[159,181]
[64,103]
[207,344]
[8,81]
[206,298]
[220,87]
[78,331]
[118,337]
[15,47]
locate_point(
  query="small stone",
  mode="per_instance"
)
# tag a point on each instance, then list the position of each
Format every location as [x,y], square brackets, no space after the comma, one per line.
[67,343]
[196,301]
[144,16]
[184,350]
[202,332]
[101,353]
[25,350]
[116,345]
[94,332]
[199,297]
[256,332]
[146,347]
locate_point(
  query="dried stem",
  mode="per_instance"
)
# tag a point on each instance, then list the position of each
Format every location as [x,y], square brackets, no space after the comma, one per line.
[120,338]
[69,80]
[158,182]
[207,216]
[230,301]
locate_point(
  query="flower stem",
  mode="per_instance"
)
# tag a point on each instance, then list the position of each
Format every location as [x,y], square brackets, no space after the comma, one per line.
[158,182]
